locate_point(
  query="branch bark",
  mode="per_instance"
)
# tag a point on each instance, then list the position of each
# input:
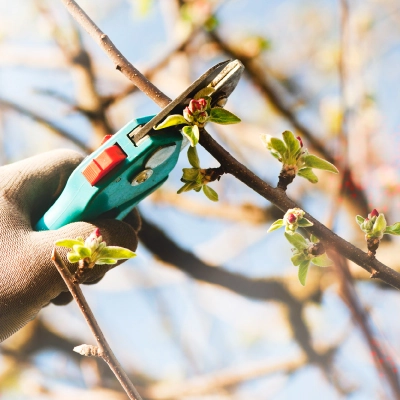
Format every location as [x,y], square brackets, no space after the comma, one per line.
[105,350]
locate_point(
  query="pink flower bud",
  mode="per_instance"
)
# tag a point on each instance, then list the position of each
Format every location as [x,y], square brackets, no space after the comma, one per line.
[197,105]
[299,139]
[291,218]
[374,213]
[188,115]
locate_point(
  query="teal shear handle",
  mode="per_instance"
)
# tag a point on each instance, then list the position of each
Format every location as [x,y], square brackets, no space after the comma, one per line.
[116,177]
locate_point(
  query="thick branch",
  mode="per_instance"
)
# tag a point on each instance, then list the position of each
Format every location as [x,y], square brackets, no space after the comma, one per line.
[167,250]
[279,198]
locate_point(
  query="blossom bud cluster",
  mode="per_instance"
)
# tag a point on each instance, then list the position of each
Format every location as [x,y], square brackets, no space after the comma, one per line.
[374,225]
[196,112]
[292,218]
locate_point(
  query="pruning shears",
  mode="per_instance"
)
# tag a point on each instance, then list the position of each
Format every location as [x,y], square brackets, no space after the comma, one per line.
[134,162]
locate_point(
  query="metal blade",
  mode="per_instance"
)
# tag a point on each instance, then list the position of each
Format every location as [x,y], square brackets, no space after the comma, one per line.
[223,77]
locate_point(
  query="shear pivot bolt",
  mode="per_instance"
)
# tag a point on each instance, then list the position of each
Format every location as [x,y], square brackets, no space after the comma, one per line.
[142,177]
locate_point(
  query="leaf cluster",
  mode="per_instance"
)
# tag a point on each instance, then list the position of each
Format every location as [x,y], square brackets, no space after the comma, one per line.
[196,178]
[291,154]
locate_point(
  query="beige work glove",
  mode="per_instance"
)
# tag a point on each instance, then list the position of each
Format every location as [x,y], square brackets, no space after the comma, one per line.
[28,278]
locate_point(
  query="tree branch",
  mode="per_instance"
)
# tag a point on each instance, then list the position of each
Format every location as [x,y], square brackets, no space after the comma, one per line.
[121,63]
[105,350]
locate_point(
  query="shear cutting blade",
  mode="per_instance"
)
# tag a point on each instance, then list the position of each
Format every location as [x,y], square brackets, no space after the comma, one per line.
[223,77]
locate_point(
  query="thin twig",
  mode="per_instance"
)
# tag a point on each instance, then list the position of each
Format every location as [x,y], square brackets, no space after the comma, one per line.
[121,63]
[231,165]
[106,353]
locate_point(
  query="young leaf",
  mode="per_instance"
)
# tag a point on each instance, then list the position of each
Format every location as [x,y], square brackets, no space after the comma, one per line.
[69,243]
[308,174]
[118,253]
[296,240]
[171,120]
[276,225]
[278,145]
[303,269]
[222,116]
[205,92]
[380,224]
[393,229]
[210,193]
[322,261]
[73,257]
[316,162]
[304,222]
[193,157]
[297,259]
[82,251]
[190,174]
[187,187]
[291,142]
[103,261]
[360,219]
[314,239]
[192,133]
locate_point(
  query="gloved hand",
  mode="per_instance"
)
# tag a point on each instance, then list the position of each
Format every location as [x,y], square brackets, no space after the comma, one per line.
[28,278]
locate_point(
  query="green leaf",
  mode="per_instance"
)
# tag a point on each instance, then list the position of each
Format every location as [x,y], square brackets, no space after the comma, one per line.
[205,92]
[314,239]
[190,174]
[308,174]
[297,259]
[303,269]
[73,257]
[192,133]
[276,225]
[380,224]
[187,187]
[304,222]
[118,253]
[210,193]
[322,261]
[171,120]
[359,219]
[103,261]
[297,240]
[276,155]
[278,145]
[83,251]
[69,243]
[292,143]
[222,116]
[193,157]
[316,162]
[393,229]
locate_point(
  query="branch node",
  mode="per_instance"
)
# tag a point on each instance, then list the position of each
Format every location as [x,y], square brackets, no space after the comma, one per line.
[88,350]
[375,274]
